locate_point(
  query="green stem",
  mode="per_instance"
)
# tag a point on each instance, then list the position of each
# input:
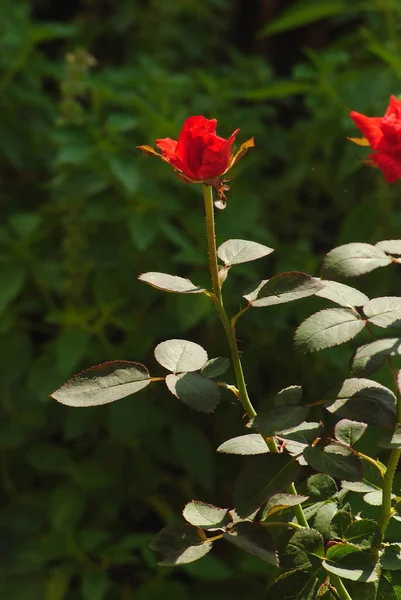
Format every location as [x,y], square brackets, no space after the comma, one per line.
[229,329]
[387,510]
[340,587]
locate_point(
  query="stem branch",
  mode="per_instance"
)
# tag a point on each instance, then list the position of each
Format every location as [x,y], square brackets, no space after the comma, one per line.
[387,510]
[229,329]
[340,587]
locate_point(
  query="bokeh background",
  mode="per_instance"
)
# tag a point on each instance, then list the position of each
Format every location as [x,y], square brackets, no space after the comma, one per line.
[82,83]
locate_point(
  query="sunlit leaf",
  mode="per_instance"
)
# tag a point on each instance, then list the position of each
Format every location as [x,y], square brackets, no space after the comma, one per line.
[253,443]
[102,384]
[205,515]
[234,252]
[392,247]
[349,562]
[384,312]
[355,259]
[341,294]
[170,283]
[179,356]
[279,502]
[285,287]
[326,328]
[349,432]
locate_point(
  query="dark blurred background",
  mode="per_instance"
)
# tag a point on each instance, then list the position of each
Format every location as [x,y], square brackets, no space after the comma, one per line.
[82,83]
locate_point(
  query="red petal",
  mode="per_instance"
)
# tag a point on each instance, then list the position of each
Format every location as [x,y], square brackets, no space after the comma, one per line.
[199,122]
[370,127]
[394,108]
[167,146]
[389,164]
[216,157]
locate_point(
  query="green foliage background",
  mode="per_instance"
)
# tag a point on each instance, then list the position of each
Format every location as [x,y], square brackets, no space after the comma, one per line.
[83,213]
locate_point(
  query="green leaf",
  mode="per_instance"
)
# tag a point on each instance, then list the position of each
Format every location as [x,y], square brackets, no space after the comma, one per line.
[281,88]
[384,312]
[364,591]
[279,502]
[255,539]
[180,355]
[273,420]
[234,252]
[180,544]
[194,452]
[102,384]
[335,460]
[323,517]
[125,173]
[391,439]
[12,279]
[310,541]
[357,398]
[391,557]
[326,328]
[67,505]
[48,458]
[289,396]
[95,585]
[342,294]
[305,433]
[375,498]
[205,515]
[285,287]
[392,247]
[253,443]
[319,487]
[349,562]
[349,432]
[170,283]
[215,367]
[370,357]
[386,591]
[294,585]
[358,486]
[362,533]
[303,13]
[71,347]
[196,391]
[339,523]
[297,438]
[260,478]
[355,259]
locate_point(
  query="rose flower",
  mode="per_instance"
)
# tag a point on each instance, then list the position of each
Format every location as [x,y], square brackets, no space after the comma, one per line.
[200,155]
[383,135]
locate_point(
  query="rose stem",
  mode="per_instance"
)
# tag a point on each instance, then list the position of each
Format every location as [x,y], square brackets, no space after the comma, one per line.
[230,333]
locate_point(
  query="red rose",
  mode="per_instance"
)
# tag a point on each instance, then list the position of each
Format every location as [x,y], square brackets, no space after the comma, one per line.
[382,134]
[199,155]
